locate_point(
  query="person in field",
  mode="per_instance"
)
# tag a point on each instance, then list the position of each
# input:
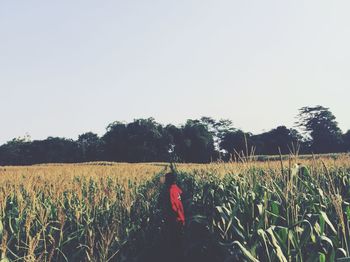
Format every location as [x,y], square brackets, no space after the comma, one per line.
[173,217]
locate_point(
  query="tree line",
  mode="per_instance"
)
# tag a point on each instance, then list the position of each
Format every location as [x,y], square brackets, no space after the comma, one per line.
[198,141]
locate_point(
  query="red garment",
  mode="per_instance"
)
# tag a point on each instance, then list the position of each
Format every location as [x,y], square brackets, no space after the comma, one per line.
[176,204]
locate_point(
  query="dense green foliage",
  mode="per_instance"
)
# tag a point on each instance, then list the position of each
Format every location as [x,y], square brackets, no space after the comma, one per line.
[299,213]
[197,141]
[293,216]
[320,124]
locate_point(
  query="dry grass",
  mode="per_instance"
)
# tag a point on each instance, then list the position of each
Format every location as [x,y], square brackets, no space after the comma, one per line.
[124,173]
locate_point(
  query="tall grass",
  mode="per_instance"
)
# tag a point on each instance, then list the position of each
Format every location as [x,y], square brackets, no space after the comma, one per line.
[288,210]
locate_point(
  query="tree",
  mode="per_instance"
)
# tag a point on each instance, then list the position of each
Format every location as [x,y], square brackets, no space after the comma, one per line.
[14,152]
[54,150]
[114,142]
[90,146]
[143,140]
[50,150]
[176,145]
[321,129]
[236,142]
[194,142]
[199,141]
[280,139]
[218,129]
[146,141]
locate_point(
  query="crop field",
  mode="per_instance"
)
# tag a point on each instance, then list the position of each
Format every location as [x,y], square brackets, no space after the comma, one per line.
[293,209]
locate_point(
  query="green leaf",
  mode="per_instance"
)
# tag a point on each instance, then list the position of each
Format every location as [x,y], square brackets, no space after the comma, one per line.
[281,234]
[275,208]
[322,257]
[307,232]
[326,244]
[293,239]
[246,253]
[278,249]
[329,223]
[263,235]
[348,212]
[341,253]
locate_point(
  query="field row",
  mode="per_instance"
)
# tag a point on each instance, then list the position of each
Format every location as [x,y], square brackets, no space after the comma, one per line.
[290,210]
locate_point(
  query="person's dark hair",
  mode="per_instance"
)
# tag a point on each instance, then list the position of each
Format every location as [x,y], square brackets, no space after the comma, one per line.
[170,178]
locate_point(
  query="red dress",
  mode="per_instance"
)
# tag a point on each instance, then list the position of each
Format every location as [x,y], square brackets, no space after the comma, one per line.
[176,204]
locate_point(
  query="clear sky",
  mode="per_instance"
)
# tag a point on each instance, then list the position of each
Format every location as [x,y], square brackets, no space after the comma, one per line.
[67,67]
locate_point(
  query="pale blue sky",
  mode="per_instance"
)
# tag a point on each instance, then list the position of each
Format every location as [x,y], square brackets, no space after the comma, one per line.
[67,67]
